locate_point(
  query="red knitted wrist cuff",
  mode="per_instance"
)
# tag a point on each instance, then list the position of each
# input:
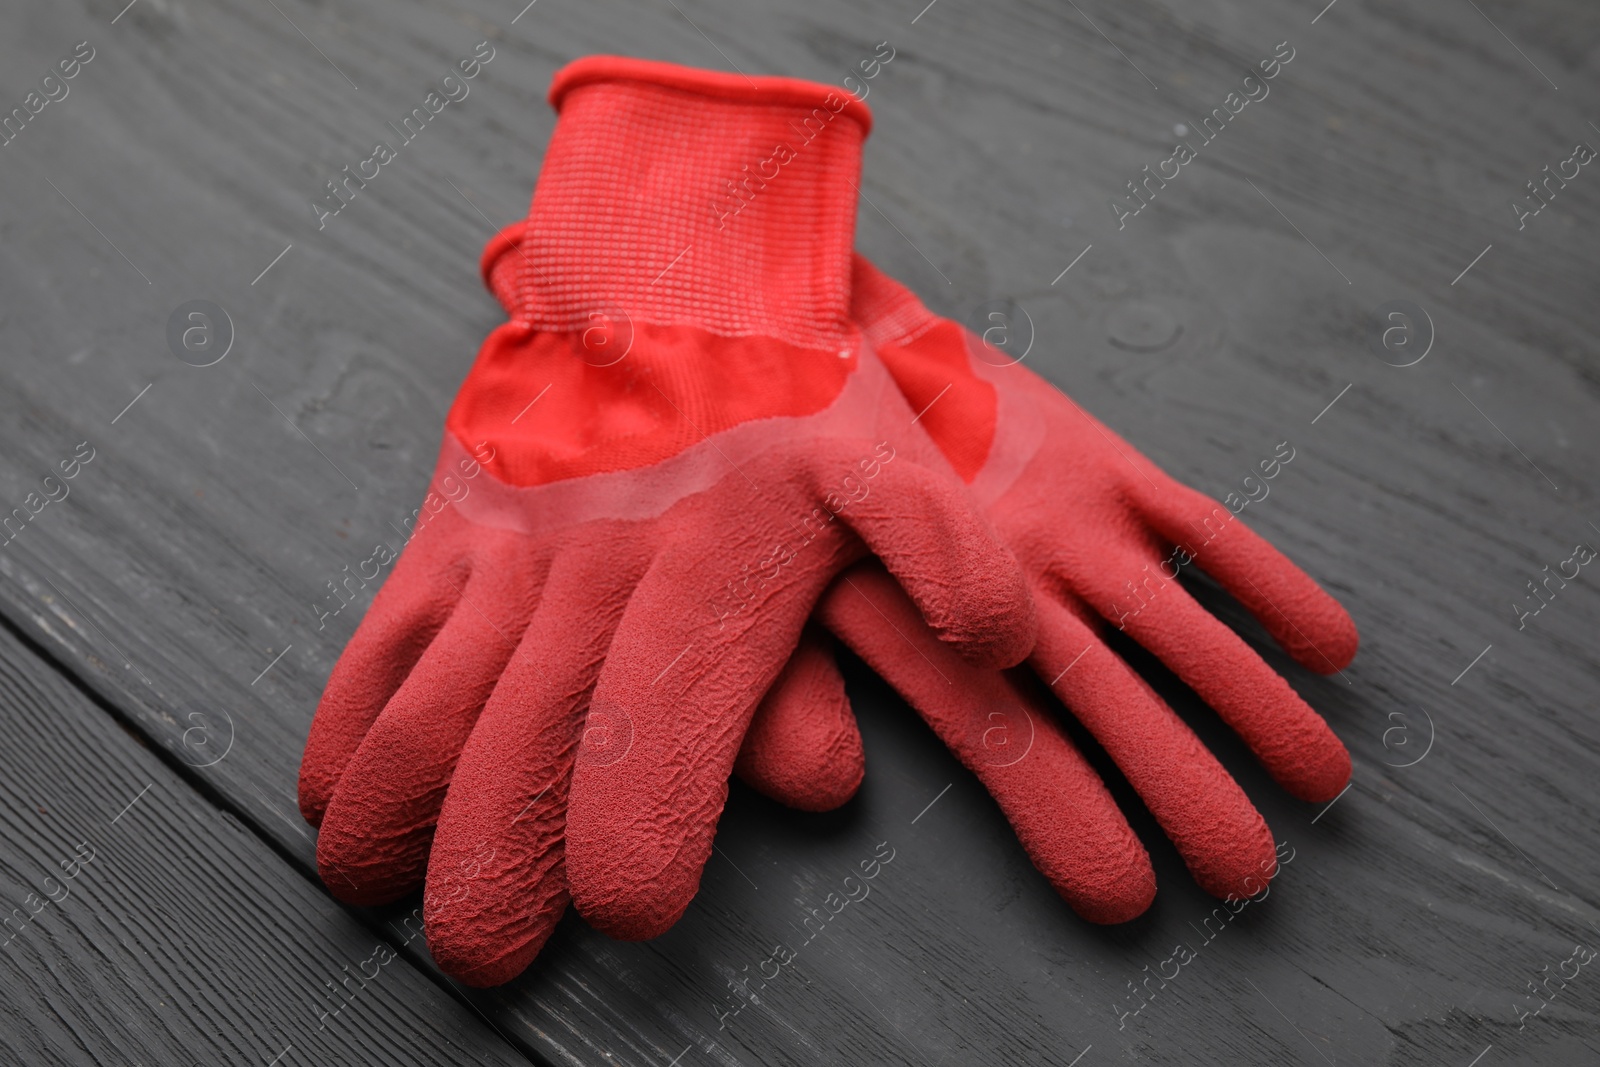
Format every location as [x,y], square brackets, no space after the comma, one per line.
[675,196]
[736,88]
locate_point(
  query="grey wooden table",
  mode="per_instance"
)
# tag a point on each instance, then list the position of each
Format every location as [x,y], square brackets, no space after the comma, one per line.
[161,653]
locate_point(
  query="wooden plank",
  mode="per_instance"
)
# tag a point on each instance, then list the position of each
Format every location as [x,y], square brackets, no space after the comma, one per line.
[181,573]
[144,924]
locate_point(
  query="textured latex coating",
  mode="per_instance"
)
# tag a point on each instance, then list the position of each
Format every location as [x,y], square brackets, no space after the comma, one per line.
[803,746]
[1095,524]
[992,722]
[623,540]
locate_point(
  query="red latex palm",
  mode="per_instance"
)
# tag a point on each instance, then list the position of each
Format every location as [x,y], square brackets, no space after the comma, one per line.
[1102,532]
[653,471]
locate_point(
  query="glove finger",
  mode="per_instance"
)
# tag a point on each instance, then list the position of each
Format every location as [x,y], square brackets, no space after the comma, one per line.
[1222,838]
[496,883]
[923,527]
[1291,740]
[373,846]
[803,747]
[403,620]
[682,680]
[1062,812]
[639,830]
[1300,615]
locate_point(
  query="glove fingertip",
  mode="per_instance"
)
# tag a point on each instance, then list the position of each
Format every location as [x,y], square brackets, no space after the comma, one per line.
[967,585]
[482,958]
[1233,862]
[803,748]
[628,917]
[486,977]
[997,626]
[1322,778]
[315,790]
[362,884]
[1122,890]
[1337,643]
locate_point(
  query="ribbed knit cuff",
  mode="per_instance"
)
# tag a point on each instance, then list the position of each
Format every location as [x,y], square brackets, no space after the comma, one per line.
[676,196]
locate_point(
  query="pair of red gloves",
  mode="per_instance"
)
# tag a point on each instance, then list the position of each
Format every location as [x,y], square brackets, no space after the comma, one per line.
[706,423]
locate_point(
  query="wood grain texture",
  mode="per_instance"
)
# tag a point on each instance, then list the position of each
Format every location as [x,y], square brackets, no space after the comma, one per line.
[144,924]
[1223,318]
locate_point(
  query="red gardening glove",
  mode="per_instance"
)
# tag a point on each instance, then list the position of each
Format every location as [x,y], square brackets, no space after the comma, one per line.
[804,748]
[1095,524]
[647,480]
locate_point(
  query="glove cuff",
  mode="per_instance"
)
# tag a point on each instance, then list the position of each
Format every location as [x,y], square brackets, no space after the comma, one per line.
[707,84]
[673,196]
